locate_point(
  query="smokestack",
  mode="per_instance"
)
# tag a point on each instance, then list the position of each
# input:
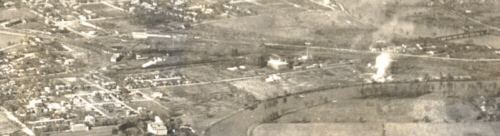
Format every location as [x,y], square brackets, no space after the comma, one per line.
[382,64]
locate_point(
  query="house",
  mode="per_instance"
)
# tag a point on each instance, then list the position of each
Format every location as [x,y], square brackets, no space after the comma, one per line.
[277,63]
[78,127]
[54,106]
[157,95]
[157,127]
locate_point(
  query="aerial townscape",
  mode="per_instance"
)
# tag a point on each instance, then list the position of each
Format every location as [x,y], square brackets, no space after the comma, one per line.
[249,67]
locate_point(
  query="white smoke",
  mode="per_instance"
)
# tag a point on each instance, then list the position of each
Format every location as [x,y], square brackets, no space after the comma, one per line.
[382,64]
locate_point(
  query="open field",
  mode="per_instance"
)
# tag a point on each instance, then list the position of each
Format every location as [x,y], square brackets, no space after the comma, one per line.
[103,10]
[13,13]
[6,38]
[377,129]
[398,110]
[120,25]
[318,129]
[6,125]
[289,23]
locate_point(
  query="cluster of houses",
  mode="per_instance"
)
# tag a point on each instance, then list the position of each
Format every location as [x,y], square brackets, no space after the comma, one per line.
[150,80]
[54,105]
[49,10]
[102,80]
[33,60]
[48,108]
[185,11]
[175,9]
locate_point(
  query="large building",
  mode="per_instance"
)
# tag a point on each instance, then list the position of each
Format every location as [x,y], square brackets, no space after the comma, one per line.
[157,127]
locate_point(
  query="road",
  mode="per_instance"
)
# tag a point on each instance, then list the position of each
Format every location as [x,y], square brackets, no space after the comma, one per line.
[109,92]
[93,107]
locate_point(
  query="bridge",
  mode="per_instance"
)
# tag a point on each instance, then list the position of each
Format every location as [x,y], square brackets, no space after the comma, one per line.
[463,35]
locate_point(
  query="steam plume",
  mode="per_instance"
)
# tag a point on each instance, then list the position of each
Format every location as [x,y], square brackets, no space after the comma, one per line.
[383,63]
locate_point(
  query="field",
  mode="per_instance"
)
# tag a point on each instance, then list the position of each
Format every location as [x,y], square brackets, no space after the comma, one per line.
[103,10]
[377,129]
[13,13]
[6,38]
[285,22]
[7,126]
[120,25]
[318,129]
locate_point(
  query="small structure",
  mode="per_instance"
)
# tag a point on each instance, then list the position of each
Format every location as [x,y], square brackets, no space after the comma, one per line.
[273,78]
[157,127]
[116,57]
[276,62]
[139,35]
[157,95]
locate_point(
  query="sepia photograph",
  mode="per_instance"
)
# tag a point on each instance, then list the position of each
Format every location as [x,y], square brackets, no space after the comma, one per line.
[249,67]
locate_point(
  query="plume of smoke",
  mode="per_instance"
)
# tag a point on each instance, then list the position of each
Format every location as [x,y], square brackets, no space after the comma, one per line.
[382,64]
